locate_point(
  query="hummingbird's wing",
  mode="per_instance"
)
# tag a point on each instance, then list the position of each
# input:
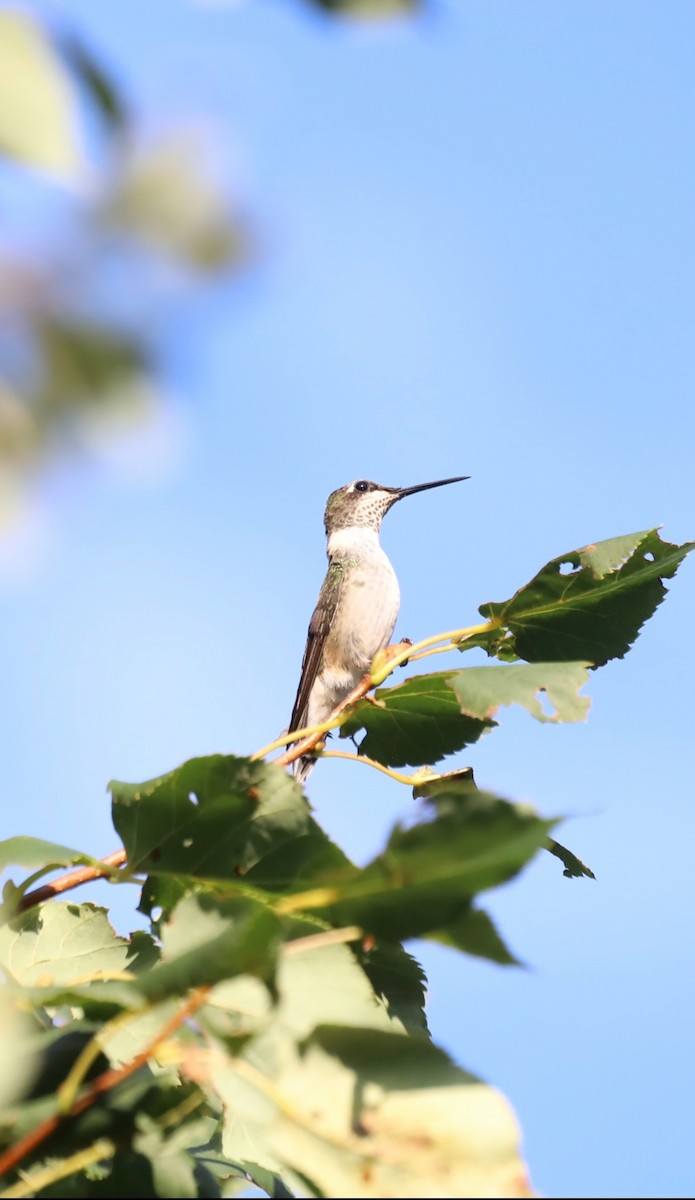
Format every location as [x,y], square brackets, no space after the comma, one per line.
[319,628]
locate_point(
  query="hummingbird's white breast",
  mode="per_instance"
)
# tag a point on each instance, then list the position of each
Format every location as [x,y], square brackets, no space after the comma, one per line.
[364,620]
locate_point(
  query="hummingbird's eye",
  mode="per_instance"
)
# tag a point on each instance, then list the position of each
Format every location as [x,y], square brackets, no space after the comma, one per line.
[362,485]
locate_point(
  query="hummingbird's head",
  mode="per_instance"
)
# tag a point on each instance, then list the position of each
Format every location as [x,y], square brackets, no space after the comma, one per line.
[364,503]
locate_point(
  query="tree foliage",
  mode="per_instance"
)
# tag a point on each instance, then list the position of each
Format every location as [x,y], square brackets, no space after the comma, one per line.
[74,366]
[270,1025]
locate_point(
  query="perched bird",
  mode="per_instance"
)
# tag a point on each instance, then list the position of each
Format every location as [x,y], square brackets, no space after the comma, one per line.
[358,604]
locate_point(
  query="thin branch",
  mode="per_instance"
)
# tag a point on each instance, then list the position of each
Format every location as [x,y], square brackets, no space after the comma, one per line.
[327,937]
[65,883]
[433,650]
[310,742]
[369,762]
[454,636]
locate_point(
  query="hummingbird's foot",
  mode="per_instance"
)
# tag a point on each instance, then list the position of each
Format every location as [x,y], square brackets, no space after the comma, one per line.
[405,642]
[381,663]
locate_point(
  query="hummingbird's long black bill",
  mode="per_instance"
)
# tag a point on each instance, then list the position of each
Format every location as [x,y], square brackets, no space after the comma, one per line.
[423,487]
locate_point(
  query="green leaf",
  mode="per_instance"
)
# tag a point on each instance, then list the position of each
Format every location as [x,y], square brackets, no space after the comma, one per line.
[65,944]
[28,852]
[167,197]
[38,114]
[55,1052]
[369,1114]
[399,980]
[430,716]
[121,1114]
[85,365]
[475,933]
[299,863]
[212,818]
[425,878]
[416,722]
[100,88]
[157,1166]
[587,604]
[19,1060]
[317,982]
[439,792]
[482,690]
[574,867]
[369,10]
[34,853]
[208,940]
[269,1182]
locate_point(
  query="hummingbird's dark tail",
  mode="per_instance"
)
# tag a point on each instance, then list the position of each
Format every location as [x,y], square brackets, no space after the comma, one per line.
[302,767]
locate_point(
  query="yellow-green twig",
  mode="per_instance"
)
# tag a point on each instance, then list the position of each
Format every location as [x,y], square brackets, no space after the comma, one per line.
[433,650]
[387,663]
[452,636]
[327,937]
[368,762]
[295,736]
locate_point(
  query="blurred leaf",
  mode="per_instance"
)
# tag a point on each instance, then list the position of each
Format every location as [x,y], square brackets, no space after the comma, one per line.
[291,866]
[475,933]
[19,435]
[574,867]
[212,818]
[155,1169]
[207,940]
[38,114]
[56,1050]
[99,87]
[425,878]
[317,982]
[62,944]
[84,365]
[120,1114]
[420,721]
[439,793]
[326,983]
[399,980]
[166,198]
[270,1183]
[20,1064]
[369,9]
[31,852]
[594,610]
[369,1114]
[297,864]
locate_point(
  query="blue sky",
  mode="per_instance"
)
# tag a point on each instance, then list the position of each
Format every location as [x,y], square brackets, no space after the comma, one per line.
[475,256]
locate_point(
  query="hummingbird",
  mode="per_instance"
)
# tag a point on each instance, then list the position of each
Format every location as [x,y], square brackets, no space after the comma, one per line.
[358,603]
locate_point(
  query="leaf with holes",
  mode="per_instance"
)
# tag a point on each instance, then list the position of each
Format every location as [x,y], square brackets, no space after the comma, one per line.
[212,818]
[420,721]
[587,604]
